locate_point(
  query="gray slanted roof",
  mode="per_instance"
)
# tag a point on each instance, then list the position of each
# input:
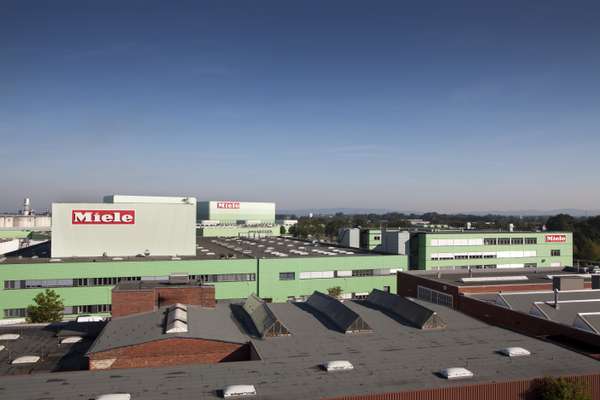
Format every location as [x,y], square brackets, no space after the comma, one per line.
[203,323]
[417,315]
[264,320]
[339,315]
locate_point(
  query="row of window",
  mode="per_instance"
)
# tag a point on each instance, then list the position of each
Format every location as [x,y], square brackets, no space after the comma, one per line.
[111,281]
[484,241]
[490,266]
[288,276]
[80,309]
[496,254]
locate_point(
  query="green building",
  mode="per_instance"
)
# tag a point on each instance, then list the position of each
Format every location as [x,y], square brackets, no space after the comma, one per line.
[289,270]
[239,231]
[483,249]
[370,239]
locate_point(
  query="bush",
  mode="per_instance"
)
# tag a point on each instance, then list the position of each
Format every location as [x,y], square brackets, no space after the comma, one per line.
[48,307]
[561,389]
[335,291]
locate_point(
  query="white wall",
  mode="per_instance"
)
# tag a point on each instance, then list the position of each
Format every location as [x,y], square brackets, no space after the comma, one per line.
[162,229]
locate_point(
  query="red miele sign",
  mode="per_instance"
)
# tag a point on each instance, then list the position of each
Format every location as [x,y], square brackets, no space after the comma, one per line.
[103,217]
[231,205]
[556,238]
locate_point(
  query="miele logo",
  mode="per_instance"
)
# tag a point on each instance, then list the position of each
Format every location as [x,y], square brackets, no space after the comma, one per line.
[103,217]
[556,238]
[231,205]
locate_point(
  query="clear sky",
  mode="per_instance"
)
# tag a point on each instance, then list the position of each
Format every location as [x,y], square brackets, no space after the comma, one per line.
[424,105]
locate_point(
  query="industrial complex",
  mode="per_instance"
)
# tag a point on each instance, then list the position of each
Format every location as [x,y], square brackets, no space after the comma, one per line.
[168,297]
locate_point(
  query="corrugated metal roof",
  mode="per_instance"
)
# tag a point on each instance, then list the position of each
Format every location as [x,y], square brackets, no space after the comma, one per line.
[417,315]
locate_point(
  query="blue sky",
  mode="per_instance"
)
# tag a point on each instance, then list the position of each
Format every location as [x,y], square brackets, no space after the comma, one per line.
[429,105]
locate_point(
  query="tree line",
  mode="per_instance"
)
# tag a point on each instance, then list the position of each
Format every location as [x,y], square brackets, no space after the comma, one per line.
[586,230]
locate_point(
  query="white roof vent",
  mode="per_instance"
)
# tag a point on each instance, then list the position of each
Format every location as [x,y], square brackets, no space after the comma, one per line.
[71,339]
[338,365]
[239,391]
[456,373]
[9,336]
[515,352]
[26,360]
[114,396]
[177,319]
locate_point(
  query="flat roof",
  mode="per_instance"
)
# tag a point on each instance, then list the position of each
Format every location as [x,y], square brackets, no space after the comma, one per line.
[570,302]
[537,275]
[208,248]
[44,341]
[394,357]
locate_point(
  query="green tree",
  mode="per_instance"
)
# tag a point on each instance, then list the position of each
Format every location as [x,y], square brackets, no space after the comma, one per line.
[335,291]
[48,307]
[561,389]
[282,230]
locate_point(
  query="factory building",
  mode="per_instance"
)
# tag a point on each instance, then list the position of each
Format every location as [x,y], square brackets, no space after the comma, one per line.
[125,226]
[277,269]
[236,212]
[490,249]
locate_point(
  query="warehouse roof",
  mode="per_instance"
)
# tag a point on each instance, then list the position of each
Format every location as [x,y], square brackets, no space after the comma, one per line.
[573,306]
[207,248]
[263,319]
[202,323]
[525,276]
[45,341]
[407,310]
[336,314]
[394,357]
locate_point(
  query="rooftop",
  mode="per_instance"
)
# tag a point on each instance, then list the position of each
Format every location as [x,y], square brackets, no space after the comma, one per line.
[392,357]
[207,248]
[528,276]
[572,306]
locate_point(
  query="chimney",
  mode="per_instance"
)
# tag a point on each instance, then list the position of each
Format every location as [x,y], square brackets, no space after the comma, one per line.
[556,299]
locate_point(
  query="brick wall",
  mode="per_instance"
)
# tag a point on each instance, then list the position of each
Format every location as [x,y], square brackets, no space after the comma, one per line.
[169,352]
[132,302]
[515,390]
[521,322]
[197,295]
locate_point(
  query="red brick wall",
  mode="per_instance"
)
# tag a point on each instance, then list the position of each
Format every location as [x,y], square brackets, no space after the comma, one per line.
[170,352]
[520,322]
[126,302]
[132,302]
[515,390]
[197,295]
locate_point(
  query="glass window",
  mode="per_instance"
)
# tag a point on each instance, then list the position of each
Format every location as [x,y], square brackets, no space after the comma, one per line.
[362,272]
[555,253]
[516,241]
[503,240]
[287,276]
[489,241]
[530,240]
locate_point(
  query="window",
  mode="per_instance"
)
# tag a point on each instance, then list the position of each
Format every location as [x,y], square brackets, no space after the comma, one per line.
[555,253]
[488,266]
[376,237]
[503,240]
[287,276]
[530,265]
[461,257]
[475,256]
[362,272]
[489,241]
[15,313]
[434,296]
[490,255]
[91,309]
[10,284]
[530,240]
[516,241]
